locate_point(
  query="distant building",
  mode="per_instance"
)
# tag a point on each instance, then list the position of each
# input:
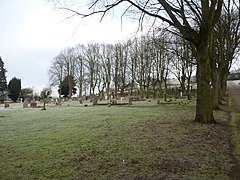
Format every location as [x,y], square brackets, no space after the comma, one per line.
[234,76]
[174,83]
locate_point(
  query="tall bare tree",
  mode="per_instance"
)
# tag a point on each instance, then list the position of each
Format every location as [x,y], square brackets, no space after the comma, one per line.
[92,63]
[80,68]
[132,65]
[106,62]
[159,60]
[182,63]
[224,48]
[56,73]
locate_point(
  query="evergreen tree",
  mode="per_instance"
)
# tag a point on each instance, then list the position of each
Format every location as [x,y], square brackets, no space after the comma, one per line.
[65,86]
[3,81]
[14,88]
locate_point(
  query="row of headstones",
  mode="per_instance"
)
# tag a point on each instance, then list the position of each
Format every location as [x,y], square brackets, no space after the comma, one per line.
[25,105]
[114,101]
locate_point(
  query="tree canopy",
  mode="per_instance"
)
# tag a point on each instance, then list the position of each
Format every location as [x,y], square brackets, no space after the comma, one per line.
[26,93]
[3,81]
[66,88]
[14,89]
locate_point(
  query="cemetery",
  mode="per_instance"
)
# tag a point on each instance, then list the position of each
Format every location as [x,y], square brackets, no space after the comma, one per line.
[133,133]
[162,102]
[85,141]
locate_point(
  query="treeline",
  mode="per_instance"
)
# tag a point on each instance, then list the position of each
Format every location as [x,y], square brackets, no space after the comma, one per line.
[143,64]
[139,66]
[14,90]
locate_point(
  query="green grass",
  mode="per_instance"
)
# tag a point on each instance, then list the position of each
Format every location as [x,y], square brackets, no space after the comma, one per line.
[236,133]
[143,141]
[236,124]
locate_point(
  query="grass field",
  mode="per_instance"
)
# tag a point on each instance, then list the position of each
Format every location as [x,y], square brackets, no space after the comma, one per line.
[142,141]
[236,134]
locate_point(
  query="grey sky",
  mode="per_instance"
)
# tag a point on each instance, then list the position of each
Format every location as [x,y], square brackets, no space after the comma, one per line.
[32,33]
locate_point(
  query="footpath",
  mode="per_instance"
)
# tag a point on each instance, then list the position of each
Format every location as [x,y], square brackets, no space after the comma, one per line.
[234,91]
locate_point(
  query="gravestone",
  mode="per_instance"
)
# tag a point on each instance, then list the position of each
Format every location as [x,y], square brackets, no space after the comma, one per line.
[33,105]
[80,100]
[113,101]
[95,100]
[25,104]
[130,101]
[6,105]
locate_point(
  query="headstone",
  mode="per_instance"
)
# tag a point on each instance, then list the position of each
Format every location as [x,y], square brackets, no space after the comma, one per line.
[6,105]
[113,101]
[25,104]
[181,94]
[33,105]
[80,100]
[130,101]
[95,100]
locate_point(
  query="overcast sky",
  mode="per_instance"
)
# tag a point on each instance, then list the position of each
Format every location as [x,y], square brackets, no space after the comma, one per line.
[32,33]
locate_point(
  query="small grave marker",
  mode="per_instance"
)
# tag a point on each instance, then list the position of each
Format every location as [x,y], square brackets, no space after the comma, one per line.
[6,105]
[25,104]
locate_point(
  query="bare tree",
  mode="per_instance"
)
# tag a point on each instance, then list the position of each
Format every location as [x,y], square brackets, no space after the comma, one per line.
[132,65]
[92,57]
[115,69]
[160,53]
[123,66]
[69,61]
[224,48]
[182,63]
[56,73]
[106,63]
[80,68]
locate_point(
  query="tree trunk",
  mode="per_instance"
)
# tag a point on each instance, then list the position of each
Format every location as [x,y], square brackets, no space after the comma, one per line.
[215,89]
[70,85]
[165,89]
[81,79]
[223,83]
[188,88]
[108,90]
[204,111]
[141,89]
[60,93]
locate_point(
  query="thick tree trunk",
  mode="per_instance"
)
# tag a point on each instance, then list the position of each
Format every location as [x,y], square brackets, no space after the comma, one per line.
[215,89]
[108,90]
[223,83]
[60,93]
[183,79]
[70,85]
[188,88]
[165,89]
[204,111]
[141,89]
